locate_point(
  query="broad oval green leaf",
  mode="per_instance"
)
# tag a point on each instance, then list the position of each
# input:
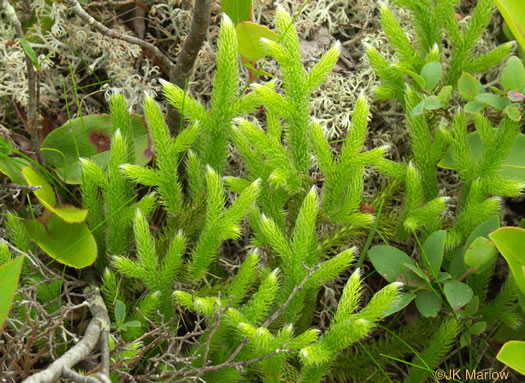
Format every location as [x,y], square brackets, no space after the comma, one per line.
[513,355]
[510,243]
[483,230]
[513,76]
[457,268]
[457,265]
[480,254]
[478,328]
[71,214]
[9,275]
[90,137]
[473,106]
[431,72]
[513,113]
[414,279]
[428,304]
[46,196]
[445,93]
[458,294]
[433,102]
[249,36]
[468,86]
[491,99]
[69,243]
[388,261]
[434,248]
[12,167]
[472,307]
[120,311]
[513,166]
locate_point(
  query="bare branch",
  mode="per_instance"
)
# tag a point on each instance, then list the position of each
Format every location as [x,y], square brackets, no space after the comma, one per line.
[196,373]
[98,326]
[236,365]
[218,315]
[19,187]
[294,292]
[104,352]
[180,74]
[76,377]
[193,43]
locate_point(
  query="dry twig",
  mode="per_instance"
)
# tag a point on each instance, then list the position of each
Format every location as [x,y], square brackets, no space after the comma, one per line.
[197,373]
[294,292]
[19,187]
[180,74]
[97,329]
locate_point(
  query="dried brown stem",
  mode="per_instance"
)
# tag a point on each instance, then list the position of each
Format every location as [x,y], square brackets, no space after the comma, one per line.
[196,373]
[199,28]
[236,365]
[180,74]
[104,352]
[294,292]
[218,315]
[97,329]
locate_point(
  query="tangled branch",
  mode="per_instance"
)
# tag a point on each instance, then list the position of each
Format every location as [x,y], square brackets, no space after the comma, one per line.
[195,373]
[98,329]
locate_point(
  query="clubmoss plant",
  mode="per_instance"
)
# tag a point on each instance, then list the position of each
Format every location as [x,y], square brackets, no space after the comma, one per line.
[108,194]
[244,322]
[481,175]
[433,22]
[226,103]
[283,154]
[284,210]
[433,127]
[433,354]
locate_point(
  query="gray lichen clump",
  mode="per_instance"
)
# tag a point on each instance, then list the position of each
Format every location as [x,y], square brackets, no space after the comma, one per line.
[354,22]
